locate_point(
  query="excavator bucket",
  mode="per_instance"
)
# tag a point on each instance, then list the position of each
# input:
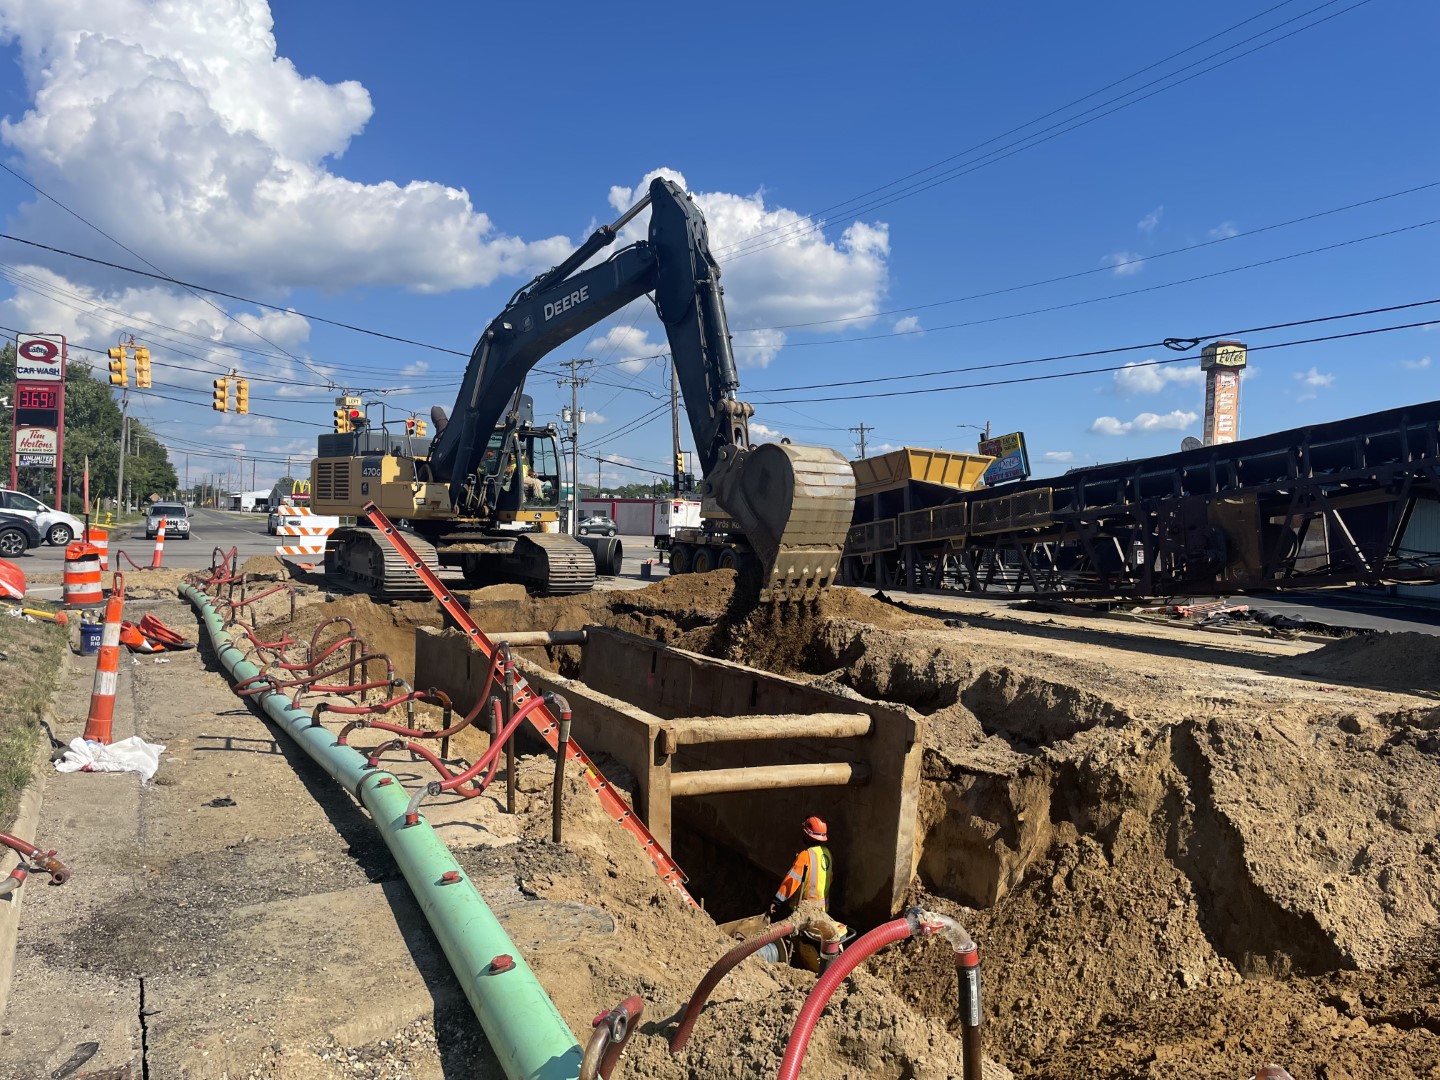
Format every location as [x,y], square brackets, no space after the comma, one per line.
[794,505]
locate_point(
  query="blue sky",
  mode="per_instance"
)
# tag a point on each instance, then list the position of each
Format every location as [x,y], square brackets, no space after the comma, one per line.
[406,175]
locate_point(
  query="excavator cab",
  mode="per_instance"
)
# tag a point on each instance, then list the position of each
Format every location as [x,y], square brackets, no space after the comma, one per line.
[522,467]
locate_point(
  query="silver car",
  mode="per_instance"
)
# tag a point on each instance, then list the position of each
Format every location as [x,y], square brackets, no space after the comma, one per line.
[177,524]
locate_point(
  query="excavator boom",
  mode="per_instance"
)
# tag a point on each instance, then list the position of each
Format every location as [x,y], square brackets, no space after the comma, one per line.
[792,504]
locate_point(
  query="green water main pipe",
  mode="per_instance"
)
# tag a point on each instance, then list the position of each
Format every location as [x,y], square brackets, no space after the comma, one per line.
[526,1031]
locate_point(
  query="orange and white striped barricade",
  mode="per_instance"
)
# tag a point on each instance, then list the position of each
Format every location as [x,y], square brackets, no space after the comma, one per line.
[99,539]
[159,546]
[80,584]
[303,541]
[100,723]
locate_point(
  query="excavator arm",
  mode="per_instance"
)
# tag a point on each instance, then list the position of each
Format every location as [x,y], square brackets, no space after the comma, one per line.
[793,504]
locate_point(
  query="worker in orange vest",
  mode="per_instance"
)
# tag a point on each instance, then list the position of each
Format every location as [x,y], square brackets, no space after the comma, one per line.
[809,878]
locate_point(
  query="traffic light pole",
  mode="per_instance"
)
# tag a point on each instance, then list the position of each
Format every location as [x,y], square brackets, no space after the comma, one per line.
[124,445]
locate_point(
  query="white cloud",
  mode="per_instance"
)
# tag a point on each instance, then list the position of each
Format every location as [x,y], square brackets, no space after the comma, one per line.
[1416,365]
[805,279]
[416,367]
[1312,382]
[219,156]
[628,347]
[593,417]
[1148,223]
[1146,422]
[1136,378]
[1059,457]
[1125,262]
[908,325]
[764,432]
[1224,231]
[221,161]
[190,342]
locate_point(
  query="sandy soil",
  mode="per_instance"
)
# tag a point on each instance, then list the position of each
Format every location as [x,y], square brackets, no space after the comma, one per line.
[1183,855]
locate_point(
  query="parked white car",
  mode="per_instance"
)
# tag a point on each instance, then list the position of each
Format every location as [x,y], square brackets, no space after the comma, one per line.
[56,526]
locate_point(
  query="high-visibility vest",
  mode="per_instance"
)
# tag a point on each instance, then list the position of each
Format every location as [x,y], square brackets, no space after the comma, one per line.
[809,879]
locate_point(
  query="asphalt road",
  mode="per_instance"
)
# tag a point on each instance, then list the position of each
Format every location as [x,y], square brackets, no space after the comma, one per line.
[224,529]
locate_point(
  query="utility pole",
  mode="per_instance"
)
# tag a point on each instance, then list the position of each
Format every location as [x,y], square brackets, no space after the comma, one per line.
[675,428]
[124,445]
[575,382]
[862,429]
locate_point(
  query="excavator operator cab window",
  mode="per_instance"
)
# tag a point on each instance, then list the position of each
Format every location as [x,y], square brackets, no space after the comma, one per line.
[542,471]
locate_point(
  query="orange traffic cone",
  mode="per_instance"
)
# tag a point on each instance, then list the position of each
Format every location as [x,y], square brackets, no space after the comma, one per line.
[99,723]
[159,546]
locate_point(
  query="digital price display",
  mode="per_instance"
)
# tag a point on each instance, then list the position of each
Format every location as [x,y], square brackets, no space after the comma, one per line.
[38,397]
[37,405]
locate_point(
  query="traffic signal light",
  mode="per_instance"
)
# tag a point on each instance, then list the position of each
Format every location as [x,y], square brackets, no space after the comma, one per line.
[342,421]
[409,425]
[356,419]
[118,375]
[420,427]
[222,395]
[242,395]
[679,462]
[142,367]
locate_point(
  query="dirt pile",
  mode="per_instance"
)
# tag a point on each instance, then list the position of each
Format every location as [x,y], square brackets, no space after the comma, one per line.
[1176,854]
[660,947]
[1407,661]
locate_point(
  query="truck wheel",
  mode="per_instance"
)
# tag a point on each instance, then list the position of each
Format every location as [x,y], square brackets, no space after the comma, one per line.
[728,560]
[679,559]
[704,561]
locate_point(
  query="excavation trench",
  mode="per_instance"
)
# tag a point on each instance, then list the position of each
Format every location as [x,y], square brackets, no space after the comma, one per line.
[1125,840]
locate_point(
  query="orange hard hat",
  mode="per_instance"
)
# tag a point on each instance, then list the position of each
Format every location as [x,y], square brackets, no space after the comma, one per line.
[815,828]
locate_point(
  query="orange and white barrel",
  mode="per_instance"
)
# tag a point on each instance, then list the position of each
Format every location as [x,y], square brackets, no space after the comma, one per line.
[99,539]
[80,584]
[99,725]
[159,546]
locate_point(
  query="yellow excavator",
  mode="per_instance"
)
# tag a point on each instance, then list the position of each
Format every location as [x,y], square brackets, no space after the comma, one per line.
[484,495]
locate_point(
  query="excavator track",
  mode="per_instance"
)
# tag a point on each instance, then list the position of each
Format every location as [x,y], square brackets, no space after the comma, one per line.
[360,559]
[553,564]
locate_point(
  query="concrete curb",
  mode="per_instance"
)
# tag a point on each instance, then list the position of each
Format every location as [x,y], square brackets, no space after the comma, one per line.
[26,818]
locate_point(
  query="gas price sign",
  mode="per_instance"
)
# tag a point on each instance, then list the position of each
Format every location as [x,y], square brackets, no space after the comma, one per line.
[39,421]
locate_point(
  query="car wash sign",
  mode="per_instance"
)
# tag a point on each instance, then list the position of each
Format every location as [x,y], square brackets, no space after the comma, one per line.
[1011,461]
[39,421]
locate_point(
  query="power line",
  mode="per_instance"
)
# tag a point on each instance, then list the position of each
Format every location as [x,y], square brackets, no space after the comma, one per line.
[1030,123]
[1117,367]
[1121,295]
[193,292]
[1164,343]
[739,250]
[232,296]
[1110,268]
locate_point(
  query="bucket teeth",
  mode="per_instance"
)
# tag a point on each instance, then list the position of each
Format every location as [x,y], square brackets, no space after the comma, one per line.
[794,504]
